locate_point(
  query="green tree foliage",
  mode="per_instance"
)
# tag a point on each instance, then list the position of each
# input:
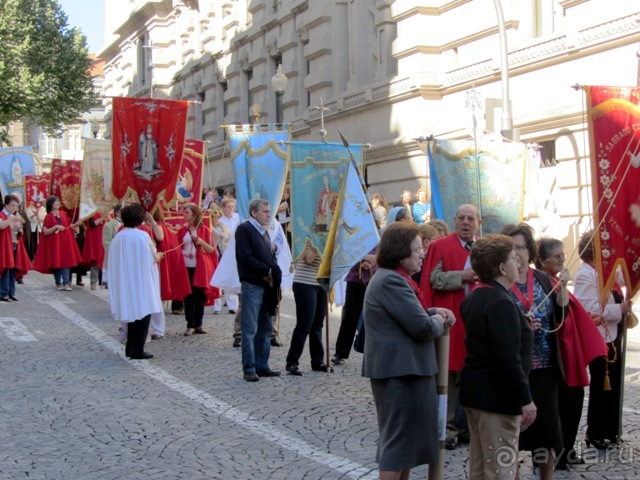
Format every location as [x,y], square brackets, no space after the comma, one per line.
[44,65]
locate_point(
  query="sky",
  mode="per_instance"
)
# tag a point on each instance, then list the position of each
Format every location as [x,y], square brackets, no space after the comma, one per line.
[88,16]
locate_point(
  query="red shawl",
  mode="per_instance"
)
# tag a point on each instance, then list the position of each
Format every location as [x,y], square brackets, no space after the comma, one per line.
[174,279]
[6,245]
[93,251]
[58,250]
[453,255]
[206,263]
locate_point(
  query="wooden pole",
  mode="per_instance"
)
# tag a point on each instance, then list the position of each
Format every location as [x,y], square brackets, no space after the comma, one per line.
[326,333]
[436,470]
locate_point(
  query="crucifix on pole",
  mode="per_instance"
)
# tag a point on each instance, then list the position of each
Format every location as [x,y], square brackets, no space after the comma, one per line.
[321,108]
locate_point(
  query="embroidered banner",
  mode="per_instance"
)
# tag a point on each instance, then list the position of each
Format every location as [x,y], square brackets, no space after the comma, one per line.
[317,173]
[189,186]
[454,181]
[259,158]
[147,145]
[614,134]
[353,231]
[15,164]
[65,184]
[96,194]
[36,189]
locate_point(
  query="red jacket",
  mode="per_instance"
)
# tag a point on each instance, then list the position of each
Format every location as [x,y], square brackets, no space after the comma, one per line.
[58,250]
[206,263]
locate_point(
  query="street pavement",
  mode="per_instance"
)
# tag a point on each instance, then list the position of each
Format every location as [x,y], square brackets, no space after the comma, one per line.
[73,407]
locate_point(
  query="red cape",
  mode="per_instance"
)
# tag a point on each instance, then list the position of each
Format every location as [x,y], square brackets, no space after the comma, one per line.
[23,264]
[93,251]
[174,279]
[580,343]
[206,264]
[453,255]
[6,246]
[58,250]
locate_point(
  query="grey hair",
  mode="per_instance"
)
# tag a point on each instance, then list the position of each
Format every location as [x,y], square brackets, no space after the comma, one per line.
[256,203]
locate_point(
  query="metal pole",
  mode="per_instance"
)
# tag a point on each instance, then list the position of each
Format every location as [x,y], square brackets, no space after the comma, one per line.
[279,110]
[507,119]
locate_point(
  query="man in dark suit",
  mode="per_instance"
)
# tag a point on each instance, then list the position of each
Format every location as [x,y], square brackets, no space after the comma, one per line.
[260,280]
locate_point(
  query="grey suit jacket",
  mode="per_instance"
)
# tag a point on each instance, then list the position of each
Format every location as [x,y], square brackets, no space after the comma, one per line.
[399,333]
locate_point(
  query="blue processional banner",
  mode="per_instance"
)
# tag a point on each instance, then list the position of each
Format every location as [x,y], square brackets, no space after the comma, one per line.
[317,174]
[15,163]
[454,181]
[259,160]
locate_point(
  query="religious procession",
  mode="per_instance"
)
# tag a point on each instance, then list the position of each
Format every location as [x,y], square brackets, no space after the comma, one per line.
[471,329]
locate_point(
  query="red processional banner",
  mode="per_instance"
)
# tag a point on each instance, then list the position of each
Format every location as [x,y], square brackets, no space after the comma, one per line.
[614,135]
[147,146]
[65,184]
[36,189]
[189,186]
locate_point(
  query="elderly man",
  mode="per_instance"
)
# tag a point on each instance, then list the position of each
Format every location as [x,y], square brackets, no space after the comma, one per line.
[447,278]
[260,279]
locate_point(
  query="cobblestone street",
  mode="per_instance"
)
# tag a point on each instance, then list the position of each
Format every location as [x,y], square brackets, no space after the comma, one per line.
[73,407]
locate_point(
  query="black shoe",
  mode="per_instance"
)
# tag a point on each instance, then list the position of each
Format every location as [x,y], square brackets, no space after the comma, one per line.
[144,356]
[5,299]
[321,368]
[275,342]
[596,443]
[237,342]
[251,377]
[19,281]
[338,360]
[451,443]
[267,373]
[14,299]
[293,370]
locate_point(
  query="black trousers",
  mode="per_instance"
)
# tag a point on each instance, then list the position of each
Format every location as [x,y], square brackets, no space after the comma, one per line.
[136,336]
[353,304]
[194,303]
[310,314]
[603,412]
[570,401]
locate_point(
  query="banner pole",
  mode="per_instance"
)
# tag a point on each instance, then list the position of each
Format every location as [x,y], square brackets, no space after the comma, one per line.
[326,333]
[436,470]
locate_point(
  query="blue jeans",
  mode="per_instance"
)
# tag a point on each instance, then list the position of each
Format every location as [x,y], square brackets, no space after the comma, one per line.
[61,276]
[256,329]
[310,313]
[8,283]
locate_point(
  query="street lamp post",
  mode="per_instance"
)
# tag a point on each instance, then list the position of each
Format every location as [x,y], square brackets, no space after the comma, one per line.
[279,84]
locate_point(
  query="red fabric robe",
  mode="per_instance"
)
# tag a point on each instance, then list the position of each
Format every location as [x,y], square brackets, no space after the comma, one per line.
[22,262]
[93,251]
[6,246]
[174,279]
[58,250]
[206,263]
[453,256]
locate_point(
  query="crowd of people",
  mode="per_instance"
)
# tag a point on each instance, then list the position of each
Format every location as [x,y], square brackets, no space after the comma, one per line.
[520,343]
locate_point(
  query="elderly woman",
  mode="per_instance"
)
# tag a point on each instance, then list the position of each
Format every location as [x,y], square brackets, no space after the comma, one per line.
[494,383]
[399,355]
[201,260]
[536,296]
[603,412]
[380,208]
[421,210]
[580,343]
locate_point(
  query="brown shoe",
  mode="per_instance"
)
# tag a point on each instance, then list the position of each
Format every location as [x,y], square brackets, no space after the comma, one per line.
[200,331]
[189,331]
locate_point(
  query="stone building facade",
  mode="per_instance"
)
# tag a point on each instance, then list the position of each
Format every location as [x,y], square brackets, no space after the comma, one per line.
[389,71]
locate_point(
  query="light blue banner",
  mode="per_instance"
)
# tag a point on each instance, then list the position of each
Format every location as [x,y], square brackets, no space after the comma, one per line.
[259,166]
[317,173]
[15,163]
[502,179]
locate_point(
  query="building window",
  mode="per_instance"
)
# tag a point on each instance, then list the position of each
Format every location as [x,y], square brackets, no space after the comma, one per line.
[544,153]
[143,60]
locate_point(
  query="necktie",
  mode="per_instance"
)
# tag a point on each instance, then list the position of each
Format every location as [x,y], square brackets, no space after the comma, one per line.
[468,245]
[266,237]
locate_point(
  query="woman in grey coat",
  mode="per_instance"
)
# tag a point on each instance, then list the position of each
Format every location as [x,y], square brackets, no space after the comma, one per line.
[399,355]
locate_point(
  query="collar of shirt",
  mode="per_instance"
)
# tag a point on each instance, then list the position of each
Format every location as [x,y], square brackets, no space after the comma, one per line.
[464,242]
[4,210]
[260,228]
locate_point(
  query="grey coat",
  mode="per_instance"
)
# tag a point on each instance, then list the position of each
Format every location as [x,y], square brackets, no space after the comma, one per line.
[399,333]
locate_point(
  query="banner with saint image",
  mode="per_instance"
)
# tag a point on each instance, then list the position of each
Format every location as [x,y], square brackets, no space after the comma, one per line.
[65,184]
[96,194]
[317,174]
[15,164]
[147,145]
[36,189]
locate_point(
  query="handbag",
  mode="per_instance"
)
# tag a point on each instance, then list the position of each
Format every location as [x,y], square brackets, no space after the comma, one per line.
[358,343]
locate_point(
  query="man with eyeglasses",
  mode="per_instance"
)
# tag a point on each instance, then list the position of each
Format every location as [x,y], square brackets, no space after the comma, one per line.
[447,278]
